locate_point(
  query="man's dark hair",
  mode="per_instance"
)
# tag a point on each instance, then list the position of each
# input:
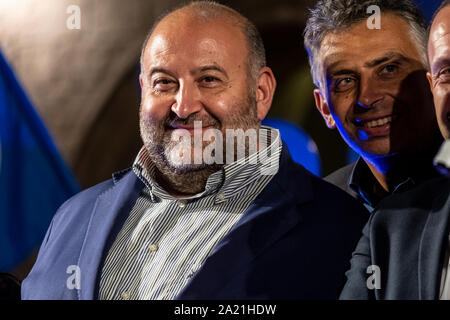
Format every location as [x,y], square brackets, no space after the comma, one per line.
[209,11]
[336,15]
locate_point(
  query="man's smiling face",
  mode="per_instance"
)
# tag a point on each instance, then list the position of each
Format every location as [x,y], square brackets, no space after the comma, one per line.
[374,88]
[194,71]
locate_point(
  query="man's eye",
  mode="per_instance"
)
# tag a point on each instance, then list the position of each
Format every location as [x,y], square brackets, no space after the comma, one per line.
[390,69]
[162,84]
[445,73]
[163,81]
[344,84]
[209,81]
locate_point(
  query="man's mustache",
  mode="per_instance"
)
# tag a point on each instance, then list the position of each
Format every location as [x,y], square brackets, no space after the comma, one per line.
[174,122]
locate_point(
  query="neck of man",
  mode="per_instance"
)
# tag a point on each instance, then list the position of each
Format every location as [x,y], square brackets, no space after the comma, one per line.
[391,170]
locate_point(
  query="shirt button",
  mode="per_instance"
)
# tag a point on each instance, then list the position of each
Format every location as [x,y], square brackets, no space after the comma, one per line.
[220,197]
[153,247]
[181,203]
[125,295]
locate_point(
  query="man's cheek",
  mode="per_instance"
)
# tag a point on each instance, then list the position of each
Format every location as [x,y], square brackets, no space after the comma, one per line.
[338,112]
[442,99]
[446,94]
[155,109]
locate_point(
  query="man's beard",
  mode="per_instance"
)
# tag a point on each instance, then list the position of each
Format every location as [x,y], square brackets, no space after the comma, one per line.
[190,177]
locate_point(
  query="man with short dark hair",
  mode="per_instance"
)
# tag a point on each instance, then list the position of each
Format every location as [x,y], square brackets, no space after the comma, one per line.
[406,243]
[214,207]
[371,86]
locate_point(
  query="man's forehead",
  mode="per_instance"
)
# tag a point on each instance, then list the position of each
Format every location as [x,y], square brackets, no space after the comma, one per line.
[159,45]
[162,45]
[441,25]
[163,53]
[195,37]
[439,40]
[336,47]
[359,42]
[365,60]
[440,43]
[441,33]
[339,54]
[185,23]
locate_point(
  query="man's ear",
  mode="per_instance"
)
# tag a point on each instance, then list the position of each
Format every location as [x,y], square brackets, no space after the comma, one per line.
[140,80]
[322,106]
[264,92]
[430,80]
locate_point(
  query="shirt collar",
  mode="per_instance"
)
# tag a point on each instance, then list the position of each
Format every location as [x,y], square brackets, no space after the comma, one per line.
[246,170]
[362,181]
[261,163]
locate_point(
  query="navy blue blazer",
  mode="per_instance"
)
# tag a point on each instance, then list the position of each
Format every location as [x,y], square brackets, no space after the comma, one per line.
[406,239]
[293,242]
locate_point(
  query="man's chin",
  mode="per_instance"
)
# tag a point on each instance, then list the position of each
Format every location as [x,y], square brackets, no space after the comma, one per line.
[179,167]
[185,168]
[375,148]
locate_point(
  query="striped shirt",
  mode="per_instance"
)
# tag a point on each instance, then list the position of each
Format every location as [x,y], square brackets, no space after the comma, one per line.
[165,240]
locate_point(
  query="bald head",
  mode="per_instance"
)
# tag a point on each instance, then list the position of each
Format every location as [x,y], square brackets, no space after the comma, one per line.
[208,14]
[439,29]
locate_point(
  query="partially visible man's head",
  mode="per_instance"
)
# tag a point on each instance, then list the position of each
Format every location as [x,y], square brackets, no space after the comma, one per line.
[202,62]
[371,83]
[439,59]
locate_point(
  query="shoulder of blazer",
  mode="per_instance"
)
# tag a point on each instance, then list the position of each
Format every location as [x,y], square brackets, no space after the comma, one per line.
[92,193]
[81,204]
[421,196]
[341,178]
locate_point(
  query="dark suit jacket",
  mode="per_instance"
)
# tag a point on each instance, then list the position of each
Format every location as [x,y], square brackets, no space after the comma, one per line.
[293,242]
[406,238]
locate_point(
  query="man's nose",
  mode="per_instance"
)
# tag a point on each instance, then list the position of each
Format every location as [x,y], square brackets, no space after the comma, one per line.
[369,94]
[187,101]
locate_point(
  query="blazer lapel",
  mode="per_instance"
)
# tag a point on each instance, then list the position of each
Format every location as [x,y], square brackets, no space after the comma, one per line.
[432,248]
[269,217]
[108,216]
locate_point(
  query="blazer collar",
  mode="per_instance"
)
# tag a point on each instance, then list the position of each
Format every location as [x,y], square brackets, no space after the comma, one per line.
[109,214]
[272,214]
[432,245]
